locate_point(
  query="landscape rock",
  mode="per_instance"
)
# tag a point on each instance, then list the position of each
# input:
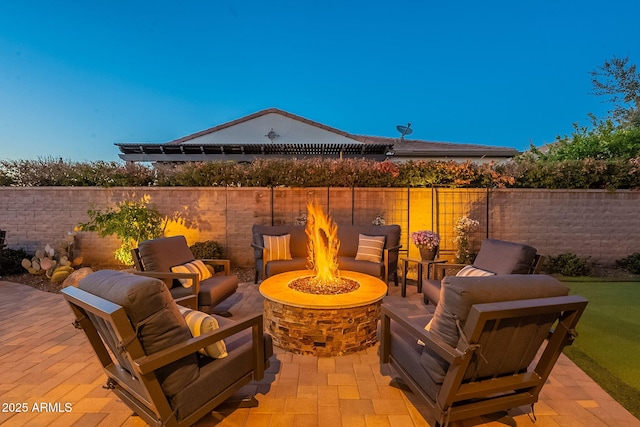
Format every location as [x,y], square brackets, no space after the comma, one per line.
[76,276]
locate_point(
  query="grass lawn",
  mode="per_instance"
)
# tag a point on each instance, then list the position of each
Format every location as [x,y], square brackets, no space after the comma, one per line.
[608,343]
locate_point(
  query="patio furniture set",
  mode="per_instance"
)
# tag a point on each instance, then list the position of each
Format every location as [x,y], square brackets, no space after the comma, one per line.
[489,344]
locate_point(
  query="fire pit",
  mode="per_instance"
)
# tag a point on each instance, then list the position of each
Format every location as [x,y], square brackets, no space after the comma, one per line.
[322,311]
[322,325]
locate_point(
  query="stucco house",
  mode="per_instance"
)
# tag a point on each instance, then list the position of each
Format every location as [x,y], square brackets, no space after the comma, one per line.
[274,133]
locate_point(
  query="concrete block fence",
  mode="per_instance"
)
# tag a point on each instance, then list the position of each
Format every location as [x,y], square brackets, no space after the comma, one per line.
[602,225]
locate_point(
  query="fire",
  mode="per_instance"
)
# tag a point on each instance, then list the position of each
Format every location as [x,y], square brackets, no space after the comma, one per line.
[322,233]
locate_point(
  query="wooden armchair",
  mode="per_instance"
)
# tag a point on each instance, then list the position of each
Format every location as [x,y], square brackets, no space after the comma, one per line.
[490,345]
[160,258]
[149,356]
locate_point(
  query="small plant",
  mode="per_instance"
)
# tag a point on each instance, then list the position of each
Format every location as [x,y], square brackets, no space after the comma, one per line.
[132,222]
[301,219]
[56,263]
[209,249]
[12,261]
[630,263]
[379,220]
[425,239]
[568,264]
[462,238]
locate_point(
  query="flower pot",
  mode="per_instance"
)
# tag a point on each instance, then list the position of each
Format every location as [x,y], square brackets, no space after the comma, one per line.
[428,254]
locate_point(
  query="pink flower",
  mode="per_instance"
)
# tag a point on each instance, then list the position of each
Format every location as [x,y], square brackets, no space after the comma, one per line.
[425,239]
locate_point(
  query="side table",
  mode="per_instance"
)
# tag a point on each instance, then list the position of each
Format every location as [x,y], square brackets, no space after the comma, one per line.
[405,261]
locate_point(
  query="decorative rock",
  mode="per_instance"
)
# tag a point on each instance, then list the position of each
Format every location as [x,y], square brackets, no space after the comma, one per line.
[76,276]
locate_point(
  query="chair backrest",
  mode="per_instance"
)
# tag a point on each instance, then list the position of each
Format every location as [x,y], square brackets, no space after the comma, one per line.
[298,241]
[348,235]
[161,254]
[126,317]
[459,294]
[502,257]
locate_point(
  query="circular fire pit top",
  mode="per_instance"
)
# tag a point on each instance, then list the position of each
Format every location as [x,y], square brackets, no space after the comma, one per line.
[276,288]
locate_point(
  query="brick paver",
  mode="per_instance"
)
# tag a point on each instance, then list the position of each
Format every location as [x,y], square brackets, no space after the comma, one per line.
[49,376]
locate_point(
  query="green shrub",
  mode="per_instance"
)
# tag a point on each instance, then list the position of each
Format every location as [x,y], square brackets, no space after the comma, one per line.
[12,261]
[132,222]
[630,263]
[568,264]
[209,249]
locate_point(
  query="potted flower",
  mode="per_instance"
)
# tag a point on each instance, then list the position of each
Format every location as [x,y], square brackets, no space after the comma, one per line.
[427,242]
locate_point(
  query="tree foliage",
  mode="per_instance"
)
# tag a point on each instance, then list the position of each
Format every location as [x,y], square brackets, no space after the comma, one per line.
[603,140]
[619,80]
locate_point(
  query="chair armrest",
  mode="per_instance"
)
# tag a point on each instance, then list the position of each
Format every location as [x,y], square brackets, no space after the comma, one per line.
[148,364]
[440,268]
[195,288]
[223,262]
[394,248]
[256,246]
[444,350]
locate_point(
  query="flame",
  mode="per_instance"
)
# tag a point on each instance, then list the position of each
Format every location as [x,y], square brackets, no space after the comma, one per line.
[322,233]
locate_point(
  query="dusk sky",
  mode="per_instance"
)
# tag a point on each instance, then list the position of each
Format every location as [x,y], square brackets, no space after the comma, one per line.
[77,77]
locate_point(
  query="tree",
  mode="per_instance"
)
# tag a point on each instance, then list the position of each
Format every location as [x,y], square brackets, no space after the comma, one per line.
[620,80]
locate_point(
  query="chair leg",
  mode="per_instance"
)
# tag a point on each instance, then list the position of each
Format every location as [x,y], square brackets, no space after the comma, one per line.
[256,279]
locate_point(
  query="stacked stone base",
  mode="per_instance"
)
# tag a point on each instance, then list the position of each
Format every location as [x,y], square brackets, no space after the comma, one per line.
[322,332]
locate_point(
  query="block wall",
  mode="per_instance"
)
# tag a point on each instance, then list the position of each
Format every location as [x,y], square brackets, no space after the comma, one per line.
[600,224]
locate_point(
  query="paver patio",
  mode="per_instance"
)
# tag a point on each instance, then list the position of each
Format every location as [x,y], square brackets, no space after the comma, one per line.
[47,369]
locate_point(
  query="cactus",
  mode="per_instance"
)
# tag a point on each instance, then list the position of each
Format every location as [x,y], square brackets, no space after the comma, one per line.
[53,262]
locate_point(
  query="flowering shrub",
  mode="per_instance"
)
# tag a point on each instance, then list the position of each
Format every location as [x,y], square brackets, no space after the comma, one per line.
[526,171]
[425,239]
[462,230]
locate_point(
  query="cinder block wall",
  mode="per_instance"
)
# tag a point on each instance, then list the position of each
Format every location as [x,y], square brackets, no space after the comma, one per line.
[600,224]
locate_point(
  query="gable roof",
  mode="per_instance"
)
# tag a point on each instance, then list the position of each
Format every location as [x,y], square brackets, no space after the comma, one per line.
[256,115]
[290,135]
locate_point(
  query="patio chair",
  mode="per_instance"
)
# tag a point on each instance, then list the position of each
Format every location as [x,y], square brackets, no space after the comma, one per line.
[495,257]
[170,259]
[149,356]
[490,345]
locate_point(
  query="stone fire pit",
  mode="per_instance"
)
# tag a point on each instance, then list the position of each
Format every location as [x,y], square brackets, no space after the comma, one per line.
[322,325]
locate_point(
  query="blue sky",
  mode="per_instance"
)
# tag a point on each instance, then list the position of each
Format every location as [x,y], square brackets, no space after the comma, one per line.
[77,77]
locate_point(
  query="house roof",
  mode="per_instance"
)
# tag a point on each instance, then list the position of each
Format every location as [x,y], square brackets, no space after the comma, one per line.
[276,133]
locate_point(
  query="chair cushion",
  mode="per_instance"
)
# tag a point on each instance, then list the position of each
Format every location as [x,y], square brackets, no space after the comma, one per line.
[501,257]
[277,267]
[370,248]
[277,247]
[200,323]
[163,253]
[153,313]
[216,289]
[458,294]
[218,374]
[367,267]
[471,271]
[348,235]
[195,266]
